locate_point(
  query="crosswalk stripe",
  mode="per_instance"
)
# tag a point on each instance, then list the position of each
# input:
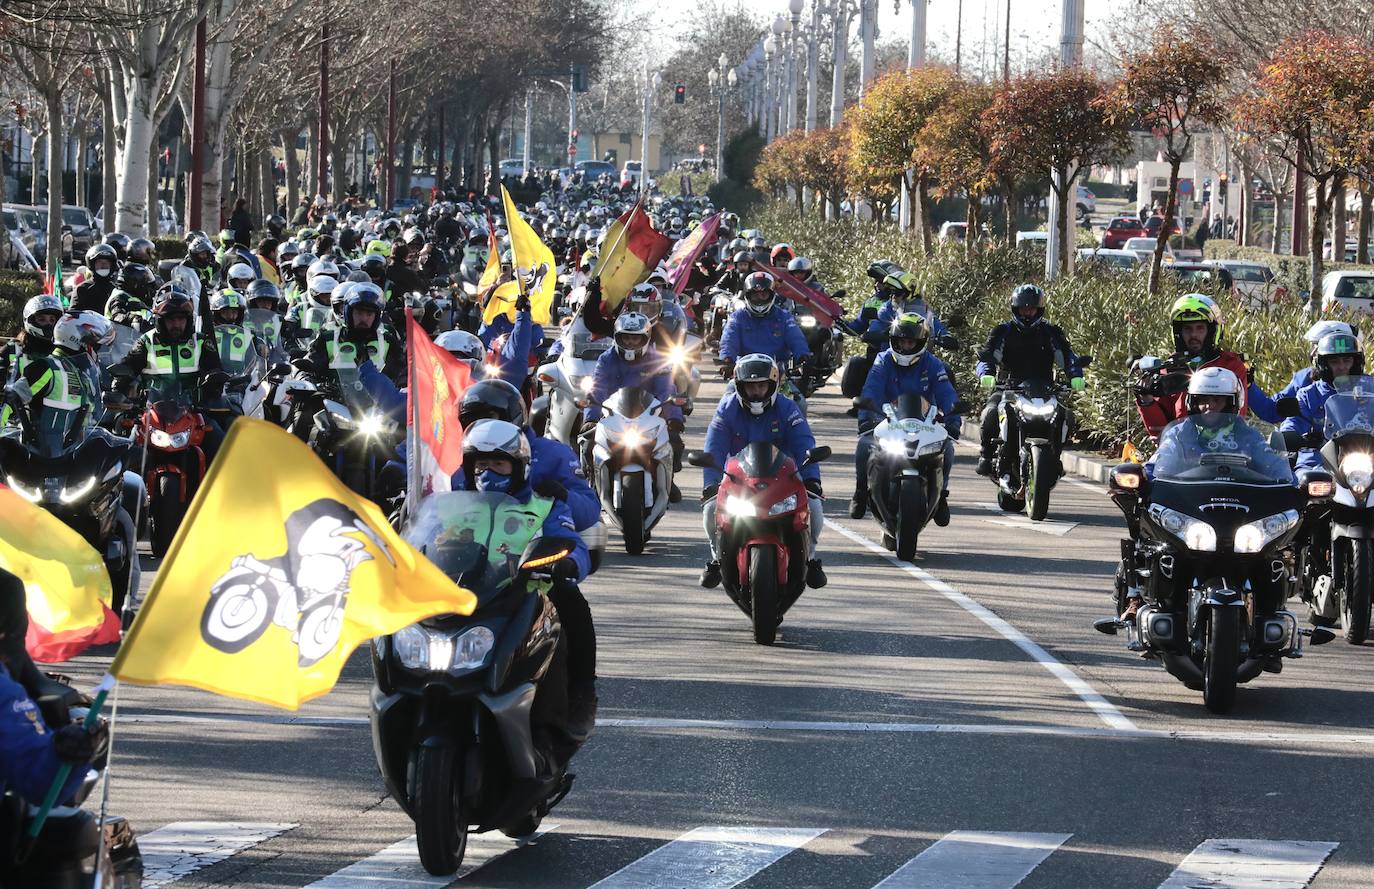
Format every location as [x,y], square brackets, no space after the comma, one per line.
[184,847]
[1250,864]
[710,858]
[398,865]
[969,859]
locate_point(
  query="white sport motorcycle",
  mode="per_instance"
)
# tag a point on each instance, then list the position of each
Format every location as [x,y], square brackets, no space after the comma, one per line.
[632,464]
[567,380]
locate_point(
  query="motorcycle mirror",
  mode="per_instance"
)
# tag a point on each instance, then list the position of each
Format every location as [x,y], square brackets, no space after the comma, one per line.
[702,460]
[1288,406]
[818,454]
[1149,363]
[962,407]
[280,369]
[1085,360]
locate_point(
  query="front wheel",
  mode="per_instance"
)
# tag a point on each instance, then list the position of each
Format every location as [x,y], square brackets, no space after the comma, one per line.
[1221,659]
[911,517]
[632,511]
[763,590]
[165,513]
[1355,597]
[441,830]
[1044,472]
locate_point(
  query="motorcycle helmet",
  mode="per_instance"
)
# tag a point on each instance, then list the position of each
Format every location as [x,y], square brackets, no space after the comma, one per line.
[239,276]
[138,281]
[322,266]
[302,262]
[631,335]
[491,400]
[374,264]
[658,278]
[879,269]
[171,301]
[738,245]
[1028,296]
[1322,328]
[358,277]
[201,252]
[758,294]
[741,260]
[462,345]
[99,252]
[907,338]
[645,300]
[276,225]
[364,296]
[781,254]
[227,306]
[1193,307]
[1337,345]
[900,285]
[757,368]
[119,242]
[41,314]
[1214,381]
[495,440]
[287,252]
[83,332]
[800,268]
[144,251]
[322,289]
[263,294]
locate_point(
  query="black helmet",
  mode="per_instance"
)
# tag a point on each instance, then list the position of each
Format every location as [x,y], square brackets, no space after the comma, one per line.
[276,225]
[102,251]
[367,295]
[303,261]
[263,289]
[1028,296]
[491,400]
[120,243]
[143,251]
[374,264]
[757,367]
[907,326]
[200,251]
[1335,345]
[172,300]
[138,281]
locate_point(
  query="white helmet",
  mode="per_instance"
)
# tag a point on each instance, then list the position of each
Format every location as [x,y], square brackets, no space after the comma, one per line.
[496,439]
[461,344]
[1215,381]
[240,272]
[324,285]
[645,300]
[83,330]
[632,335]
[325,266]
[1324,328]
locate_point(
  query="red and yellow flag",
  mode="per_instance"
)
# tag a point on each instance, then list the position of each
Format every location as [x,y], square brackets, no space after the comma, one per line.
[631,251]
[437,383]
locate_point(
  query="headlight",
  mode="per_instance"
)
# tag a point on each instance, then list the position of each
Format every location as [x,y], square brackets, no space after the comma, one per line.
[491,371]
[1255,536]
[420,649]
[677,356]
[586,383]
[632,437]
[934,447]
[1031,409]
[807,321]
[172,442]
[33,495]
[73,494]
[740,507]
[372,424]
[786,504]
[895,446]
[471,649]
[1358,469]
[1197,535]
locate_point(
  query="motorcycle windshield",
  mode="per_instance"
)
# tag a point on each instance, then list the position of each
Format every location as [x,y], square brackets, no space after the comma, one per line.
[1351,409]
[631,403]
[909,405]
[120,346]
[1043,389]
[1218,448]
[761,460]
[585,345]
[475,538]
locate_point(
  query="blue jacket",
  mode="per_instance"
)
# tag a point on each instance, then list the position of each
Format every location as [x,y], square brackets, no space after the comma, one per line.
[1311,418]
[776,334]
[878,328]
[502,325]
[1301,377]
[554,461]
[927,377]
[514,358]
[28,754]
[614,373]
[733,427]
[1184,442]
[389,399]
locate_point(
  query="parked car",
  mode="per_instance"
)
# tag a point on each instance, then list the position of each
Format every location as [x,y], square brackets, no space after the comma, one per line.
[1349,289]
[1152,224]
[633,171]
[1120,230]
[36,218]
[1352,247]
[167,222]
[1142,247]
[512,166]
[78,221]
[1038,241]
[1201,277]
[590,170]
[953,231]
[1114,260]
[1254,282]
[1086,201]
[16,225]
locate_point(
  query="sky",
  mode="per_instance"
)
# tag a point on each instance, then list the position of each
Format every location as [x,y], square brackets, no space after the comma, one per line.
[1034,24]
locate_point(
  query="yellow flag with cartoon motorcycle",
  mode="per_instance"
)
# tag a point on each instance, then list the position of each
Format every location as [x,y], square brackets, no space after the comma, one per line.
[534,263]
[277,574]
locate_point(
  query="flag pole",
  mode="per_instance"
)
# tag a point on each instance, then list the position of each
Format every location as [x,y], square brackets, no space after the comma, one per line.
[413,427]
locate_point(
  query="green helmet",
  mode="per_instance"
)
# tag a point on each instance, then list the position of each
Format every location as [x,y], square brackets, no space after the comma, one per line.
[1193,307]
[908,326]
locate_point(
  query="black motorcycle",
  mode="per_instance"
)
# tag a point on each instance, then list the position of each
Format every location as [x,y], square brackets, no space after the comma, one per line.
[1033,426]
[469,712]
[1211,554]
[823,338]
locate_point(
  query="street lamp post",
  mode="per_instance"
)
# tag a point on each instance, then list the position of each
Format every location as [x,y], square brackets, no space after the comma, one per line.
[868,33]
[652,81]
[769,76]
[839,51]
[1070,55]
[795,8]
[721,80]
[813,64]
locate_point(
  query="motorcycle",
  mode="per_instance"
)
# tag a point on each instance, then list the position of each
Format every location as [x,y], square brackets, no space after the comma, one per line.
[763,515]
[1033,426]
[823,338]
[468,713]
[906,468]
[174,466]
[720,305]
[632,464]
[1211,557]
[353,438]
[566,381]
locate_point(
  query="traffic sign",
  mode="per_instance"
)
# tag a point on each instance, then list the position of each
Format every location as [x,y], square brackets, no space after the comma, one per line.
[572,149]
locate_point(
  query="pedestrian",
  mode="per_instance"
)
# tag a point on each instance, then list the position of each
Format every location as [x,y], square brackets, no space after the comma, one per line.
[267,260]
[240,223]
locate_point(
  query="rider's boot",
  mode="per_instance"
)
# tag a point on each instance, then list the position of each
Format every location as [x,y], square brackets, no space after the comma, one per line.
[710,575]
[858,504]
[942,510]
[581,709]
[815,574]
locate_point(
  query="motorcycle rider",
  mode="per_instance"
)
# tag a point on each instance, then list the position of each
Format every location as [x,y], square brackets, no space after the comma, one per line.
[754,413]
[263,295]
[634,362]
[237,346]
[761,326]
[1028,347]
[905,367]
[360,337]
[496,458]
[1197,329]
[1303,375]
[1337,355]
[91,294]
[902,297]
[34,379]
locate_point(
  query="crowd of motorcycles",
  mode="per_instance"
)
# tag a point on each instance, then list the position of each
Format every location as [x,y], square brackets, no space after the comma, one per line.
[466,722]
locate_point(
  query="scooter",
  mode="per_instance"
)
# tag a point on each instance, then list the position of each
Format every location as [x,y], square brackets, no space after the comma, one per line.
[566,382]
[469,713]
[763,515]
[632,464]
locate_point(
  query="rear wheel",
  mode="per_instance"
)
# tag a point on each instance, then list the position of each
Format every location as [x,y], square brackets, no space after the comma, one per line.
[1221,659]
[763,590]
[441,830]
[165,513]
[632,512]
[1355,596]
[911,516]
[1041,478]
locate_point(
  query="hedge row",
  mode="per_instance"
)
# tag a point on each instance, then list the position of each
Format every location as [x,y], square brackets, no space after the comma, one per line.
[15,289]
[1108,315]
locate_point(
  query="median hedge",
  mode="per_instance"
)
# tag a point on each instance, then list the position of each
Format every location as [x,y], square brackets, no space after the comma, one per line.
[1107,315]
[15,289]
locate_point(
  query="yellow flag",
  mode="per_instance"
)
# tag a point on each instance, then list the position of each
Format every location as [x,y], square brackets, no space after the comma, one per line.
[278,573]
[502,302]
[492,272]
[534,262]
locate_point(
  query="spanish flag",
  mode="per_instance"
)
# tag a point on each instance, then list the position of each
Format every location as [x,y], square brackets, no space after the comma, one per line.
[66,585]
[631,251]
[271,611]
[536,271]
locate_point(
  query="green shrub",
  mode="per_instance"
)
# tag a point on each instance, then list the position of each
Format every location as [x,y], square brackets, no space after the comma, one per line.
[170,248]
[15,289]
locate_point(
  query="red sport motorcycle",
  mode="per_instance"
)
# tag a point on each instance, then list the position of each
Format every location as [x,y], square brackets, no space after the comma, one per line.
[764,519]
[175,464]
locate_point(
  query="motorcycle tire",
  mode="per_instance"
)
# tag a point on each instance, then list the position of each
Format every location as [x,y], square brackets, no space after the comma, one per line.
[165,514]
[911,517]
[1044,472]
[1221,659]
[441,829]
[763,593]
[1355,598]
[632,512]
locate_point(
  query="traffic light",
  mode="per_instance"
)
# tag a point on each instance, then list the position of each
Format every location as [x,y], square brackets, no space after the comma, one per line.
[679,94]
[579,78]
[1221,185]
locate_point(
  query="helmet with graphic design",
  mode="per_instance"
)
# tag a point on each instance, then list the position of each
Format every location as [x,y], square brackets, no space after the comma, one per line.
[1189,311]
[1214,390]
[83,331]
[907,338]
[631,337]
[227,306]
[496,456]
[41,314]
[1337,355]
[756,382]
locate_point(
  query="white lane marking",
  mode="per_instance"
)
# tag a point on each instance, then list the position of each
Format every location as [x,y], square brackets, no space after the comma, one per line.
[1013,520]
[1105,710]
[184,847]
[969,859]
[709,858]
[398,865]
[1250,864]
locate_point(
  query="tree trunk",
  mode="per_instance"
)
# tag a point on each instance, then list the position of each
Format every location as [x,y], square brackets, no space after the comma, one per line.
[1170,209]
[154,210]
[53,101]
[293,171]
[212,177]
[35,173]
[971,230]
[1062,222]
[797,192]
[1338,225]
[338,160]
[1362,225]
[1009,211]
[312,150]
[108,182]
[139,135]
[267,174]
[82,150]
[1316,234]
[922,215]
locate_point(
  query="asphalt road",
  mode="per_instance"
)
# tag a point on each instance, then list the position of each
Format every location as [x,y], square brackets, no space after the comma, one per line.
[952,723]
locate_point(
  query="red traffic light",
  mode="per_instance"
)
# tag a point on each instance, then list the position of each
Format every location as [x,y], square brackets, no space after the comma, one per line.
[679,94]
